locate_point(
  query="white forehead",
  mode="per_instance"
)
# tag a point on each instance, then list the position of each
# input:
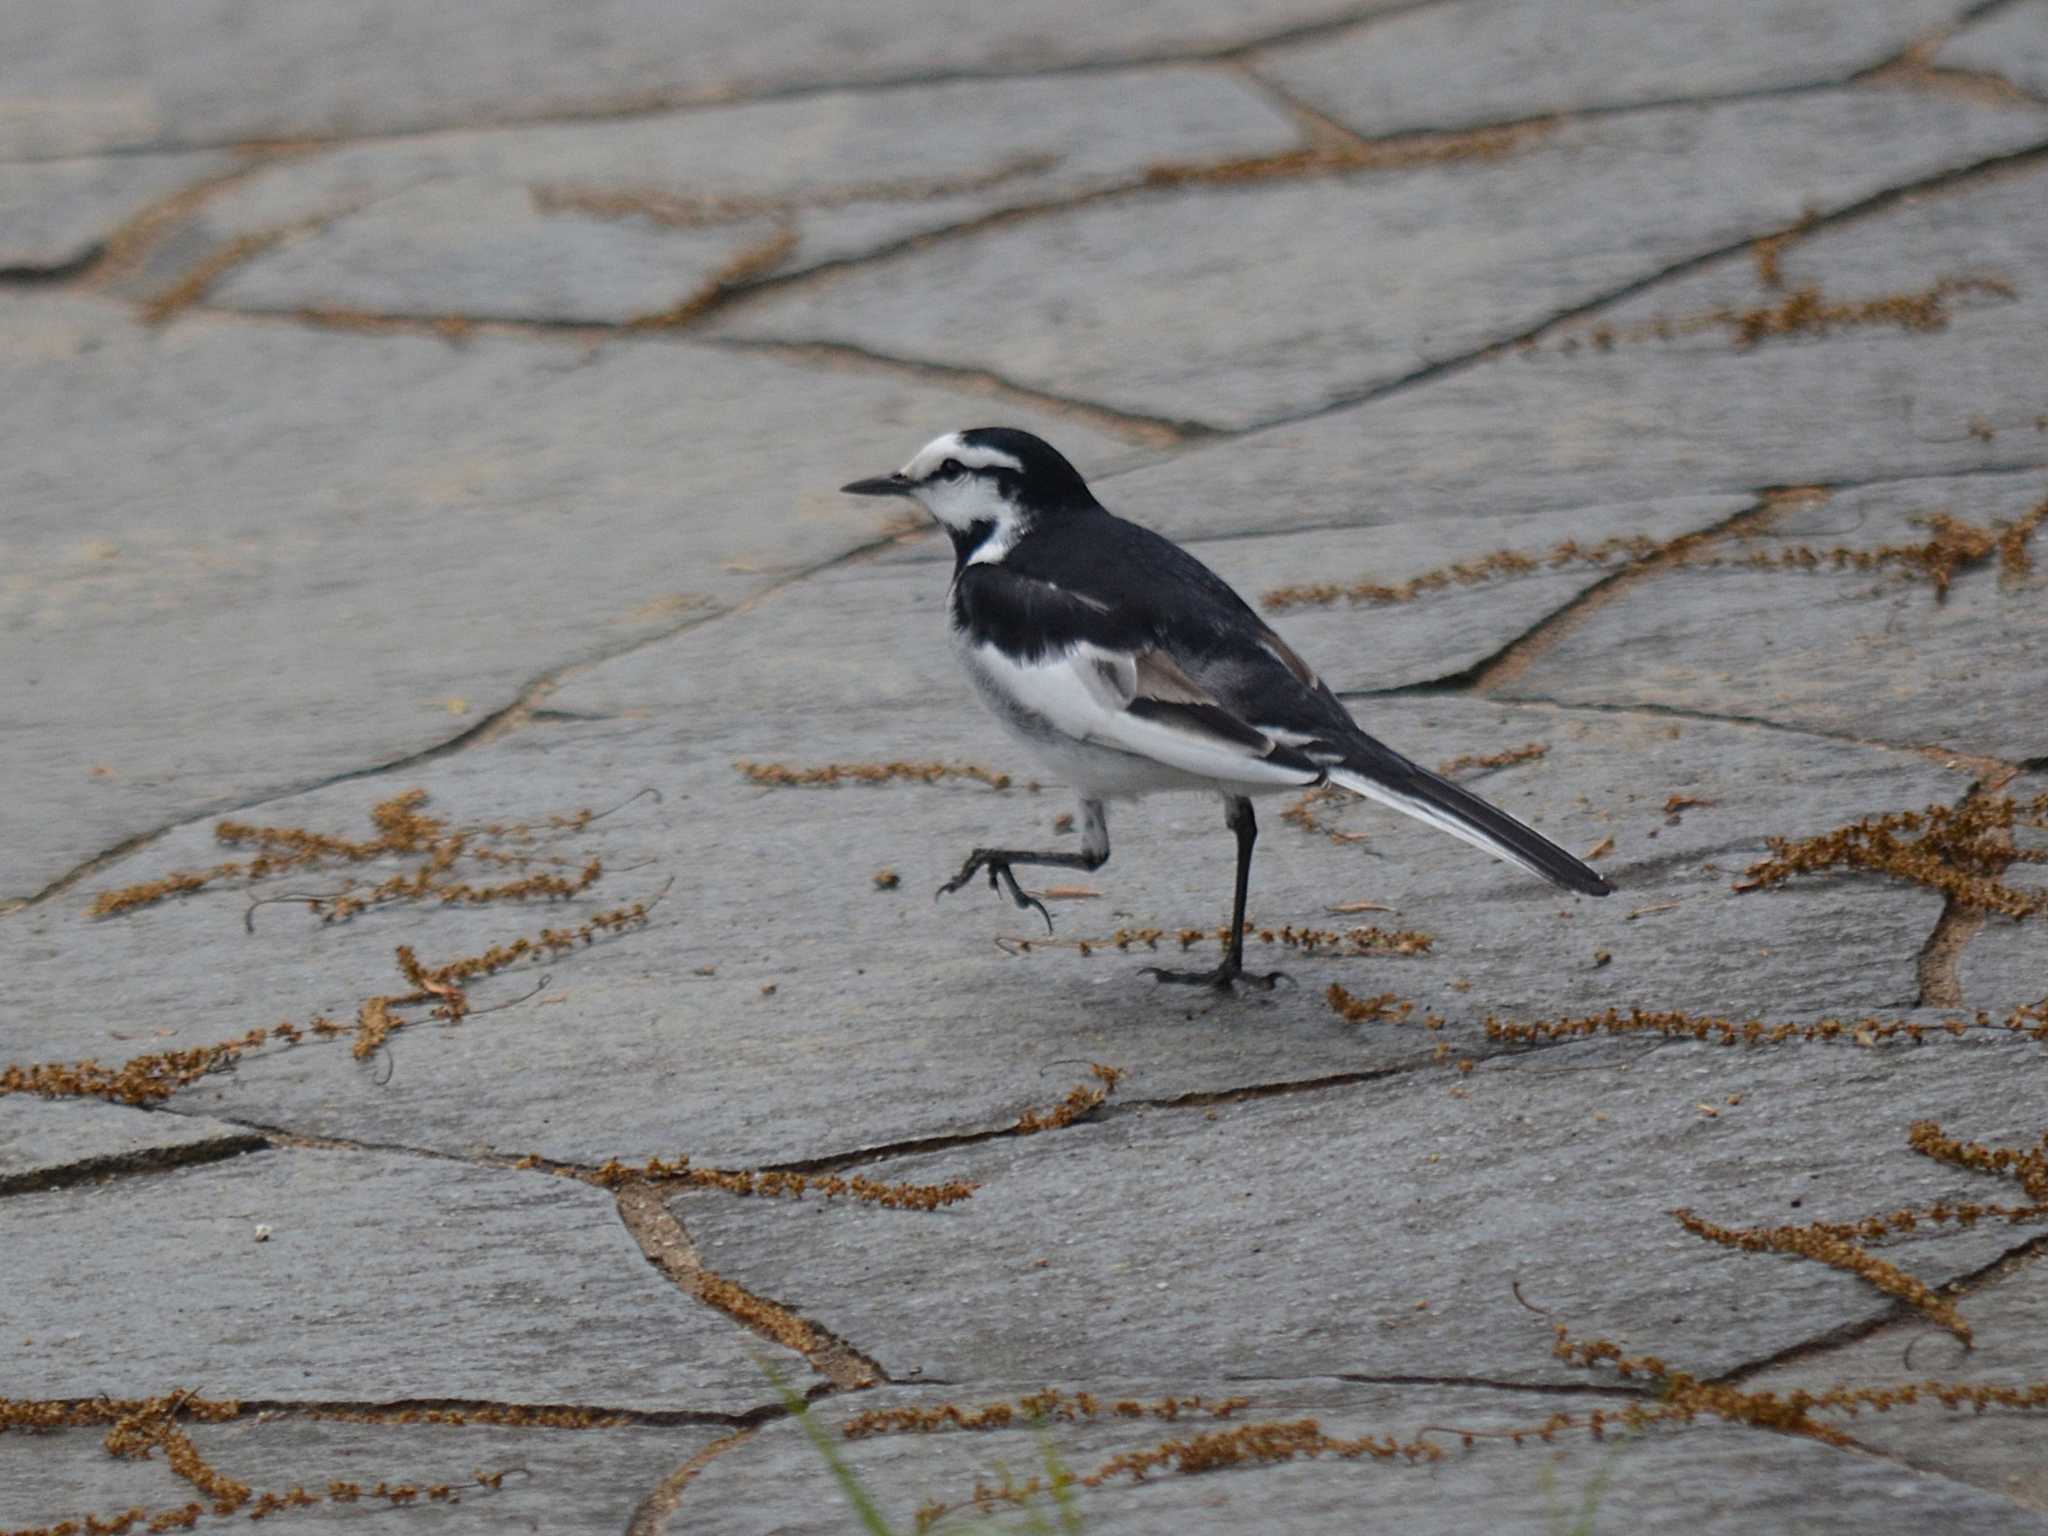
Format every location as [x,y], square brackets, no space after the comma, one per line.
[940,449]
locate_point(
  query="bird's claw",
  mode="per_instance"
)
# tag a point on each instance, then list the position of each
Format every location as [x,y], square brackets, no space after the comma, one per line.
[999,878]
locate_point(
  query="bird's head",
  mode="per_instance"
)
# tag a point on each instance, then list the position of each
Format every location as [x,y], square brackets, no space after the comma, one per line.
[985,486]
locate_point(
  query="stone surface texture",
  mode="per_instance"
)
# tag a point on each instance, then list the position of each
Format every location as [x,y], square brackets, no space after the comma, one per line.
[427,610]
[2012,41]
[1318,291]
[1466,62]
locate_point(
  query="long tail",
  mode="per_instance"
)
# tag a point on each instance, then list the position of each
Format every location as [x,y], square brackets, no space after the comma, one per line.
[1379,774]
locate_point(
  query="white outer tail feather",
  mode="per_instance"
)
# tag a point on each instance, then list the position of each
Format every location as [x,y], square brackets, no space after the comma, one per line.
[1434,816]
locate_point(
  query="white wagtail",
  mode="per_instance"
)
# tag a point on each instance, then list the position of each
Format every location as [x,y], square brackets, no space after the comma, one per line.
[1129,667]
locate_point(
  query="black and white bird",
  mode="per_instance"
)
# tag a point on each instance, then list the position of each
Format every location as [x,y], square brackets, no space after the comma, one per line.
[1128,667]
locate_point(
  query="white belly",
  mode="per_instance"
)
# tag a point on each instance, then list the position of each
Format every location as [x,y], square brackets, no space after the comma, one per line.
[1056,725]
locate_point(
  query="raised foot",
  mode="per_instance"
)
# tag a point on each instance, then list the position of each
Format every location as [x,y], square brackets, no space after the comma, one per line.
[1220,979]
[999,878]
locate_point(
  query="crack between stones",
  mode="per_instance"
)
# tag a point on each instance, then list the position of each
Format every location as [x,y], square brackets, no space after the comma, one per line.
[1475,1383]
[1512,659]
[1899,1313]
[1150,431]
[573,1418]
[652,1514]
[92,1170]
[1865,207]
[1939,966]
[662,1238]
[31,274]
[1935,752]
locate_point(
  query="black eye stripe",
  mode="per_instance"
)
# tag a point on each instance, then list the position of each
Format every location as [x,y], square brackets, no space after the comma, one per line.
[951,468]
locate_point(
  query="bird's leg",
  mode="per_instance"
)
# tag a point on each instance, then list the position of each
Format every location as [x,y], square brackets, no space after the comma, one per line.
[1238,817]
[997,861]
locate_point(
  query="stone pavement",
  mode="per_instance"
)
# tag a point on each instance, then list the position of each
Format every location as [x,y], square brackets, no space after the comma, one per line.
[476,1034]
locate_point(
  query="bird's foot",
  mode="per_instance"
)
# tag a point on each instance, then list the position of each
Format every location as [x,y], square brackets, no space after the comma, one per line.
[999,878]
[1221,979]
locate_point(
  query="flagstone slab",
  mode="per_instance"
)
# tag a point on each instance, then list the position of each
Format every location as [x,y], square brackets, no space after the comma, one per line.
[1315,291]
[616,220]
[250,588]
[1468,62]
[1876,654]
[1566,423]
[380,1278]
[1379,1229]
[101,75]
[1714,1478]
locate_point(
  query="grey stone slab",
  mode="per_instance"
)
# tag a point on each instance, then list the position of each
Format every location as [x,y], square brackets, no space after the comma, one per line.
[55,214]
[1473,61]
[572,1481]
[1861,653]
[249,587]
[1567,427]
[2012,41]
[48,1478]
[1712,1478]
[1240,305]
[1998,1449]
[383,1278]
[42,1139]
[536,221]
[2008,961]
[443,248]
[774,888]
[104,76]
[1377,1229]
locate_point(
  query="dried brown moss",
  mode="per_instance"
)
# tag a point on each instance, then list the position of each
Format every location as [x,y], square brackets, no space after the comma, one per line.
[1952,546]
[1681,1397]
[155,1075]
[1083,1100]
[833,775]
[746,264]
[773,1185]
[1480,762]
[1260,1444]
[1805,311]
[1720,1029]
[1840,1244]
[678,211]
[1827,1245]
[140,1429]
[1338,156]
[1049,1406]
[404,830]
[1959,850]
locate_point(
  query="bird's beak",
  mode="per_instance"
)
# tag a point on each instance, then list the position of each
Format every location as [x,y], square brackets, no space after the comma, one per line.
[881,485]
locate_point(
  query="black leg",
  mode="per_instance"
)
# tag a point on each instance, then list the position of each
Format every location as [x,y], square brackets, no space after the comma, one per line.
[997,861]
[1238,817]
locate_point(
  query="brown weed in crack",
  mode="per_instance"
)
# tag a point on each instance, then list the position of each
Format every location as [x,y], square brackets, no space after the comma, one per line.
[403,829]
[1958,850]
